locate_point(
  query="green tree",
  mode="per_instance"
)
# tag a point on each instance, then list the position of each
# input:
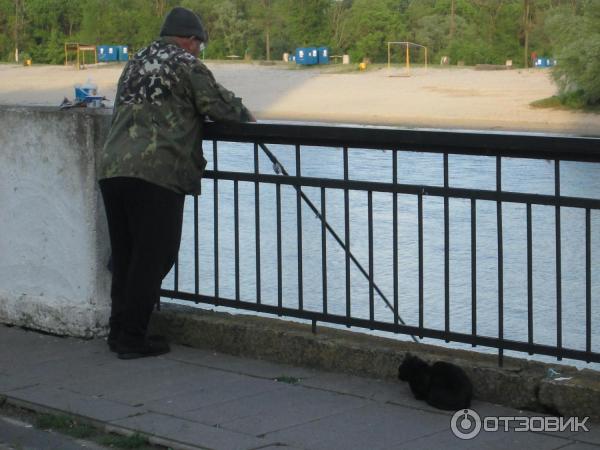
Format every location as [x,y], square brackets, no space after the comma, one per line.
[265,16]
[232,27]
[307,22]
[475,31]
[6,26]
[374,23]
[339,17]
[576,39]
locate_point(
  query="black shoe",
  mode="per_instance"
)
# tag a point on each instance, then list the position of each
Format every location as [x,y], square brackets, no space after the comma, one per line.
[150,347]
[112,341]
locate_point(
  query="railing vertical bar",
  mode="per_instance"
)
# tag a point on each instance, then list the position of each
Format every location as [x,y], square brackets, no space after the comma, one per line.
[236,219]
[446,249]
[216,219]
[257,224]
[500,263]
[588,283]
[279,251]
[529,277]
[473,268]
[299,232]
[420,197]
[371,259]
[558,261]
[324,248]
[395,235]
[347,233]
[176,275]
[196,250]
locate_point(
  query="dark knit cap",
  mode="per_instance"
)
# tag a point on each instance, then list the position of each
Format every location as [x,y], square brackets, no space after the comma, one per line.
[183,22]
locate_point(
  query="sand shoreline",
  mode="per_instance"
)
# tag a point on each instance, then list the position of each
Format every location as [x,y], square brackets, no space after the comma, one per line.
[459,98]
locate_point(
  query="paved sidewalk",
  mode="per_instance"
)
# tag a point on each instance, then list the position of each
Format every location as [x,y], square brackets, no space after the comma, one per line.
[198,399]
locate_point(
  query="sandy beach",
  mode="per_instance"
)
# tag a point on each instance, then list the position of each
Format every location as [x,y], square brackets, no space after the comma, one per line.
[461,98]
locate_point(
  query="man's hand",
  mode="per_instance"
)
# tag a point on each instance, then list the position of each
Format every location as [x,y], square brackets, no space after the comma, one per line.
[251,118]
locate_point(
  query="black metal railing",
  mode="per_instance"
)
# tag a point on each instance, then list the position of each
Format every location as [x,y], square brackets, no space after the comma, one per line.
[495,145]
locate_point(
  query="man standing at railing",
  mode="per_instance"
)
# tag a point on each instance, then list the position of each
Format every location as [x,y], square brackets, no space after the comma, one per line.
[151,159]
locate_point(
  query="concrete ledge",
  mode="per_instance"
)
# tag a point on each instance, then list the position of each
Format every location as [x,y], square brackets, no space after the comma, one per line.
[519,384]
[53,234]
[61,318]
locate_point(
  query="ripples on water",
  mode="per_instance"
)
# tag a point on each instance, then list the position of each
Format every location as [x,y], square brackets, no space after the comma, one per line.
[518,175]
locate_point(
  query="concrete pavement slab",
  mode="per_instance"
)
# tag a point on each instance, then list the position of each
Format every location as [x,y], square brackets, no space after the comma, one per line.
[486,440]
[10,382]
[59,371]
[71,403]
[592,436]
[579,446]
[217,401]
[397,393]
[374,427]
[117,373]
[192,433]
[143,387]
[274,410]
[279,447]
[238,364]
[211,394]
[379,390]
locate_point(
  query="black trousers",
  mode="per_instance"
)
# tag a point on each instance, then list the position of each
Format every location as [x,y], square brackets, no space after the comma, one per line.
[144,223]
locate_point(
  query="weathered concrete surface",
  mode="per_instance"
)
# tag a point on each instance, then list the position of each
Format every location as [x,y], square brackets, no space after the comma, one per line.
[193,398]
[519,383]
[53,236]
[578,396]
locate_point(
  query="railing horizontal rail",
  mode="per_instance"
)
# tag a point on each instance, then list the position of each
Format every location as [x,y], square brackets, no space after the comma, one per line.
[432,191]
[515,145]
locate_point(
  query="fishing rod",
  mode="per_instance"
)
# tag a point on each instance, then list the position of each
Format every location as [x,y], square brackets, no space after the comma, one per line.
[279,168]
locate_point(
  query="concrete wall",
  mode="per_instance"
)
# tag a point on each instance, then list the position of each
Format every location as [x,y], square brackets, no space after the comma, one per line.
[53,237]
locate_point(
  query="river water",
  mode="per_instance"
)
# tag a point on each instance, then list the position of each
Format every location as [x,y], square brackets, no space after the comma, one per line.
[518,175]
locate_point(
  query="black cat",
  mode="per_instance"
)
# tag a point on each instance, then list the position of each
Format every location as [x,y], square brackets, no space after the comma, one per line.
[442,385]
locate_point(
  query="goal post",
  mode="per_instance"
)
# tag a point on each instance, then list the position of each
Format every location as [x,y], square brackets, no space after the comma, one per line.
[406,46]
[80,51]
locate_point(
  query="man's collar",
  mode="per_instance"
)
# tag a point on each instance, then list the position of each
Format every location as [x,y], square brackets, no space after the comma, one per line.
[167,40]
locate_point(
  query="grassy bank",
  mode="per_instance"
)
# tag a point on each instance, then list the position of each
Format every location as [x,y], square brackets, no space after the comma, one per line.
[569,102]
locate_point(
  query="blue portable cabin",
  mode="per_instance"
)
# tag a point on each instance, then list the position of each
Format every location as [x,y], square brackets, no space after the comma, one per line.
[102,53]
[323,55]
[307,56]
[300,56]
[108,53]
[123,53]
[313,56]
[545,62]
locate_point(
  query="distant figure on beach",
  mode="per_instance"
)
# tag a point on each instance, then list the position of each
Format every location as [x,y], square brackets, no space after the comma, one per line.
[533,59]
[152,158]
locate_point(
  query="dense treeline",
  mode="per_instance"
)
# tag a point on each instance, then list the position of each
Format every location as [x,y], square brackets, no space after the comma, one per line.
[473,31]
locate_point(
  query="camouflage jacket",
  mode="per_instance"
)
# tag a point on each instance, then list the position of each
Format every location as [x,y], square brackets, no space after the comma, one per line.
[163,98]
